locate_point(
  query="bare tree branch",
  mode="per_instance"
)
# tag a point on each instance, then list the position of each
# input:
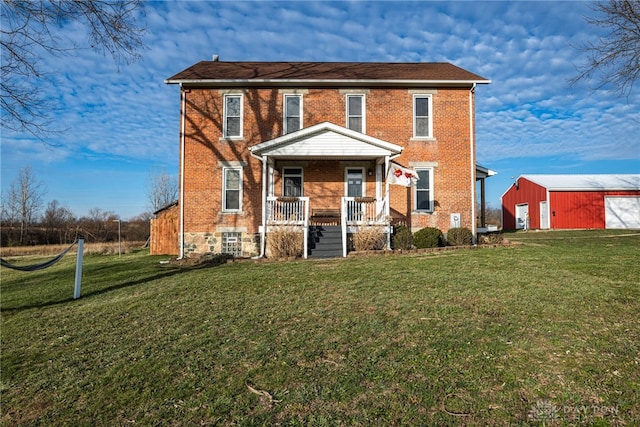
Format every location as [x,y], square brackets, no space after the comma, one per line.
[32,30]
[162,190]
[615,59]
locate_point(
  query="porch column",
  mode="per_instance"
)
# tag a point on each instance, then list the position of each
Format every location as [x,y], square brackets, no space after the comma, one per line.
[265,186]
[387,205]
[483,222]
[386,186]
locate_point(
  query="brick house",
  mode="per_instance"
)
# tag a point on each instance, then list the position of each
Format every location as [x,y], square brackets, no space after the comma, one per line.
[311,145]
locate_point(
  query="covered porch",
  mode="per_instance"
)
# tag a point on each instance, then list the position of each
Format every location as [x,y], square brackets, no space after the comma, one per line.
[324,178]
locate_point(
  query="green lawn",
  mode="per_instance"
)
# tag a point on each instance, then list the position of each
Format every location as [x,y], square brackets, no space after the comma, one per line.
[545,332]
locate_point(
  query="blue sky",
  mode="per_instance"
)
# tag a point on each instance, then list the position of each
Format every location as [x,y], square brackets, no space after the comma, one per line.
[121,125]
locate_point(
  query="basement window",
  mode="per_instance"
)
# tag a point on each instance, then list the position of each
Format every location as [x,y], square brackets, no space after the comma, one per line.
[232,243]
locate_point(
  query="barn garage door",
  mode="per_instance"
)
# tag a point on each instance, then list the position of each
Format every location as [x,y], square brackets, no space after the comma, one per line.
[622,212]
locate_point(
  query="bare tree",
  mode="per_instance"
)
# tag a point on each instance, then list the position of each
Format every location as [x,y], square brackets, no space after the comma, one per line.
[615,59]
[33,29]
[98,225]
[58,222]
[162,190]
[24,199]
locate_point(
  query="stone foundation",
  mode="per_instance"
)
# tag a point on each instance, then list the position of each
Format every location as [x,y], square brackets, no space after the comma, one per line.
[212,243]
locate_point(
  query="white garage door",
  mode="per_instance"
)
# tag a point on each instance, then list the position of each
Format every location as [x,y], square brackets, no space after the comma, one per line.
[622,212]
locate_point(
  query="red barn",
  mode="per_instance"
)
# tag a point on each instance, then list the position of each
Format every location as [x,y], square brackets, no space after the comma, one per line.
[572,201]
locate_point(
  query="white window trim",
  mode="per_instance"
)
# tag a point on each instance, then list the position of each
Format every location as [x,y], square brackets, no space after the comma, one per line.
[430,108]
[415,192]
[224,189]
[346,180]
[225,133]
[301,178]
[364,110]
[284,111]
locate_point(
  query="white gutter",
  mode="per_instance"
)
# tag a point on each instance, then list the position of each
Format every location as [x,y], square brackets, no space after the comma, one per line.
[472,150]
[330,82]
[182,168]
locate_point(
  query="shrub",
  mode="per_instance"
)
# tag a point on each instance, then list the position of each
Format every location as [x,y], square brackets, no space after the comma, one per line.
[369,239]
[428,237]
[284,242]
[492,238]
[459,236]
[403,238]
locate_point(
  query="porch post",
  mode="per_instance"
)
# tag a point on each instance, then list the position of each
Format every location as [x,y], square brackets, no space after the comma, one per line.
[483,218]
[387,205]
[305,238]
[265,185]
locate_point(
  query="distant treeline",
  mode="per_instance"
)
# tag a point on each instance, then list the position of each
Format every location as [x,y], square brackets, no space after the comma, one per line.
[98,227]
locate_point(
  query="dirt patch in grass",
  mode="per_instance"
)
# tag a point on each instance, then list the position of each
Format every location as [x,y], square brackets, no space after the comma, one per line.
[199,261]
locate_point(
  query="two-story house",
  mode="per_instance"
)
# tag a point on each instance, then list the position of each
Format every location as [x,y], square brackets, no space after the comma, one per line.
[320,144]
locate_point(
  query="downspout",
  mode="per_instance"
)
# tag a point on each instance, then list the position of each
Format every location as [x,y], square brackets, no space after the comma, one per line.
[473,163]
[183,97]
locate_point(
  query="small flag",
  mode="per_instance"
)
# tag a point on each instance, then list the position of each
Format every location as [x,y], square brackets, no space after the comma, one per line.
[401,176]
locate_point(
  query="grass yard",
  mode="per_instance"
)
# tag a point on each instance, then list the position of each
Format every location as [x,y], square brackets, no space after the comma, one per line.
[541,333]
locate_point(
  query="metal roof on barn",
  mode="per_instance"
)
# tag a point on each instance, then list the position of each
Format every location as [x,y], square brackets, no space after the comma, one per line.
[586,182]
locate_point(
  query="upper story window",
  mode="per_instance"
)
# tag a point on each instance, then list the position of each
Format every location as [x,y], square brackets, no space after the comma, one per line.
[423,190]
[232,189]
[422,116]
[292,113]
[292,182]
[355,112]
[232,126]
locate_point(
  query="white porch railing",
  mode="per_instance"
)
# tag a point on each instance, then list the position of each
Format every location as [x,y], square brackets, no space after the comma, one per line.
[289,211]
[361,211]
[354,211]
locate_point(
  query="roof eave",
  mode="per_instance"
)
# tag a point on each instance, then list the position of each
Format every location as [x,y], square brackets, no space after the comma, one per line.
[324,82]
[267,146]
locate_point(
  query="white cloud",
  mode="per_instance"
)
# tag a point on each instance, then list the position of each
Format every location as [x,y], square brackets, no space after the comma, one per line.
[527,49]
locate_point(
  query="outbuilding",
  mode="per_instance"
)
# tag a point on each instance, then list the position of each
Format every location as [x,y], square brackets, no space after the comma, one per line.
[164,230]
[572,201]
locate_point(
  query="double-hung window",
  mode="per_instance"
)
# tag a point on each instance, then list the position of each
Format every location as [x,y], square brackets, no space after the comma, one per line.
[355,112]
[423,190]
[232,126]
[292,182]
[292,113]
[232,189]
[422,116]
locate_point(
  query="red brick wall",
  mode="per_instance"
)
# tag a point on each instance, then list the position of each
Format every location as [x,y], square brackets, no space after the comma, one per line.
[389,114]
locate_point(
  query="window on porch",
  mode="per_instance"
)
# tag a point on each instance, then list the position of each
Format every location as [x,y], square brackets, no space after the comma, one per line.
[292,182]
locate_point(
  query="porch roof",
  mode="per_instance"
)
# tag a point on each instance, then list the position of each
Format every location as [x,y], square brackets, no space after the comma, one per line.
[326,140]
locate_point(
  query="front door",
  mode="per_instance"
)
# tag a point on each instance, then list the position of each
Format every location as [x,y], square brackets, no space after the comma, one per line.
[355,182]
